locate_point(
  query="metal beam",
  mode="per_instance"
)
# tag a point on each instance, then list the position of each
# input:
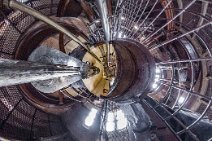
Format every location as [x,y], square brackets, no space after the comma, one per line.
[26,9]
[15,72]
[180,36]
[171,20]
[184,61]
[58,68]
[103,11]
[48,70]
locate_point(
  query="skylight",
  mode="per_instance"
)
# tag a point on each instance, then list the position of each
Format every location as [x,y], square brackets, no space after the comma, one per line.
[90,118]
[181,100]
[116,121]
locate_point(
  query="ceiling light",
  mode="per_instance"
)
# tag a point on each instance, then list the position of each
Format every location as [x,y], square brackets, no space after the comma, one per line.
[93,111]
[110,126]
[122,18]
[136,27]
[90,118]
[156,79]
[121,120]
[110,116]
[112,81]
[119,34]
[157,70]
[181,100]
[120,115]
[122,123]
[89,121]
[22,1]
[97,21]
[157,76]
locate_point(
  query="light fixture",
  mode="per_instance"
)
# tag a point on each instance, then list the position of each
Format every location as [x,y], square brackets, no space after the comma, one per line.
[156,79]
[22,1]
[136,27]
[122,18]
[89,121]
[154,85]
[90,118]
[157,70]
[181,100]
[112,81]
[119,115]
[119,34]
[157,76]
[110,126]
[110,116]
[121,120]
[97,21]
[121,123]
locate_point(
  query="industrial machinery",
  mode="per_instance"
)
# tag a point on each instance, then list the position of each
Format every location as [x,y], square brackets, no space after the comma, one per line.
[106,70]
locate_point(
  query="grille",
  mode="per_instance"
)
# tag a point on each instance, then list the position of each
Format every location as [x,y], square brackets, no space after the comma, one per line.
[178,34]
[20,120]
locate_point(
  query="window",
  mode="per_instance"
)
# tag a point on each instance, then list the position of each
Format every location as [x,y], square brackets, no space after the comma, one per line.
[116,121]
[90,118]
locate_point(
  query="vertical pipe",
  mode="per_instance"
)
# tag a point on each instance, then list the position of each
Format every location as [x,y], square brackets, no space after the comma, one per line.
[103,11]
[15,72]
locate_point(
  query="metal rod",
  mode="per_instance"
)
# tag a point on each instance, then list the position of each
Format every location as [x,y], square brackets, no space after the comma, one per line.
[184,61]
[178,37]
[178,121]
[140,16]
[193,93]
[149,12]
[168,125]
[168,93]
[15,72]
[103,11]
[164,8]
[188,93]
[181,12]
[132,15]
[26,9]
[128,9]
[204,10]
[197,120]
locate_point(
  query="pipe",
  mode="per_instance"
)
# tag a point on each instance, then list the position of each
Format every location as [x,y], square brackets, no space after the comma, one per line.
[26,9]
[103,11]
[184,61]
[15,72]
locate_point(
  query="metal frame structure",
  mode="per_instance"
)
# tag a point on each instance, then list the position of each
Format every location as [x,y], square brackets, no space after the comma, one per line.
[146,22]
[168,26]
